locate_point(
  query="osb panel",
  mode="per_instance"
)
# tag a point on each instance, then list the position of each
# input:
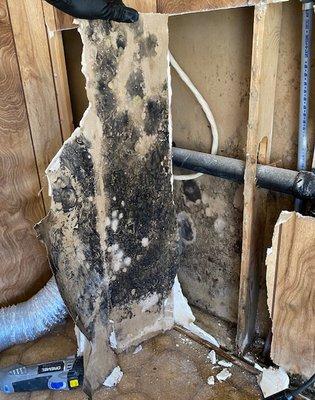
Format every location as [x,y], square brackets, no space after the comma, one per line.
[111,232]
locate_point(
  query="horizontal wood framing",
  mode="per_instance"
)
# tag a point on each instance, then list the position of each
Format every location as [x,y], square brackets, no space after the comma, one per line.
[64,21]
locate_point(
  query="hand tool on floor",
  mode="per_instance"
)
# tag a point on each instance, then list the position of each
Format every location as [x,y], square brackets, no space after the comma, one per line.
[64,374]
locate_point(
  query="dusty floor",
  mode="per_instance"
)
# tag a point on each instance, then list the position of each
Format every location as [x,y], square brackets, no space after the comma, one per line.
[170,367]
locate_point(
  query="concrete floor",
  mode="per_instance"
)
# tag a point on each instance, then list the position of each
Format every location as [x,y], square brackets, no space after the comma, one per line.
[170,367]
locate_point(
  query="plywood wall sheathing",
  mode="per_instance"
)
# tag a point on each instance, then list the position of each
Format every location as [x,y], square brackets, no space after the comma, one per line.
[265,51]
[23,261]
[28,25]
[60,77]
[291,293]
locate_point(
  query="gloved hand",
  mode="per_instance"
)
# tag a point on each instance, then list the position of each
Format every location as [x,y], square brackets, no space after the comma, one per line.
[113,10]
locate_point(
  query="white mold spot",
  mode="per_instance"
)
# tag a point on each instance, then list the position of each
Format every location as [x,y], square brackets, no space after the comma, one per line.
[127,261]
[145,242]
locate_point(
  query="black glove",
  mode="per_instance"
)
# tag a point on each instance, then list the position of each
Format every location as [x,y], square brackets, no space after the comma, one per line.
[113,10]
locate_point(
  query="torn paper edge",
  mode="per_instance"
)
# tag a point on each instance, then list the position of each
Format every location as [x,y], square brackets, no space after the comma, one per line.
[183,315]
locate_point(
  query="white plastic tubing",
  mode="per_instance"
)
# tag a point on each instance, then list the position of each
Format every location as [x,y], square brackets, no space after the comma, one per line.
[206,109]
[32,319]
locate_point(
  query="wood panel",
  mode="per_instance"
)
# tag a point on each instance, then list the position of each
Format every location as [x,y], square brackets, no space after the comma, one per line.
[291,293]
[23,264]
[186,6]
[33,54]
[265,51]
[59,72]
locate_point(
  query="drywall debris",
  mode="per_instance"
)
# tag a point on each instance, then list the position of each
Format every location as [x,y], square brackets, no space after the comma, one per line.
[249,357]
[184,317]
[114,378]
[212,357]
[138,349]
[223,375]
[106,196]
[273,380]
[226,364]
[210,381]
[258,367]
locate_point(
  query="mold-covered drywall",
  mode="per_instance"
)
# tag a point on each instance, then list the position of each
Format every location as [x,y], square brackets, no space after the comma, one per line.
[111,232]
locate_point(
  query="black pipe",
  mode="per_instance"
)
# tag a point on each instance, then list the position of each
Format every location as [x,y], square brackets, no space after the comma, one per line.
[298,184]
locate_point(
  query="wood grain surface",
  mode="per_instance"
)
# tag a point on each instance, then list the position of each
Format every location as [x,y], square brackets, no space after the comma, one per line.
[265,51]
[23,265]
[291,293]
[60,76]
[33,54]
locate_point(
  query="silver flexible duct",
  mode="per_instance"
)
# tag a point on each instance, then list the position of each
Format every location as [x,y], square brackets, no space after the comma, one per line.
[32,319]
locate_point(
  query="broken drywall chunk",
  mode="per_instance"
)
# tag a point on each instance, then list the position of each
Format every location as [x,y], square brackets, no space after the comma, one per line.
[114,378]
[212,357]
[273,380]
[111,232]
[210,381]
[226,364]
[223,375]
[138,349]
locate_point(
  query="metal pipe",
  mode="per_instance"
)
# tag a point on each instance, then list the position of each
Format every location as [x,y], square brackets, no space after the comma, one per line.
[307,10]
[300,184]
[307,21]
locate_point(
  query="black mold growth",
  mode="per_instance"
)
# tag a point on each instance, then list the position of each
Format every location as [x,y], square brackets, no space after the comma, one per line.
[142,184]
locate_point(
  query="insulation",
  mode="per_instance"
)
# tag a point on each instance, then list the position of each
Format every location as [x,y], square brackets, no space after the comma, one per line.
[111,231]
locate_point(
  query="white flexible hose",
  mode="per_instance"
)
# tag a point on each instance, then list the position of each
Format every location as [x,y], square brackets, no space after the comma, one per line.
[206,109]
[32,319]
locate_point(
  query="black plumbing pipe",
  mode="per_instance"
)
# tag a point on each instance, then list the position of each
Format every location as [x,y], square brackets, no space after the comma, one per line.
[300,184]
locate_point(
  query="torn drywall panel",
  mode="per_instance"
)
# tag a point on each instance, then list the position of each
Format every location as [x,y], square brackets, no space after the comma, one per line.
[111,232]
[273,380]
[291,293]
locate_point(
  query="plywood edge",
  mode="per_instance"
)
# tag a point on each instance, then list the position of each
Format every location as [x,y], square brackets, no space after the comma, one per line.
[290,272]
[271,257]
